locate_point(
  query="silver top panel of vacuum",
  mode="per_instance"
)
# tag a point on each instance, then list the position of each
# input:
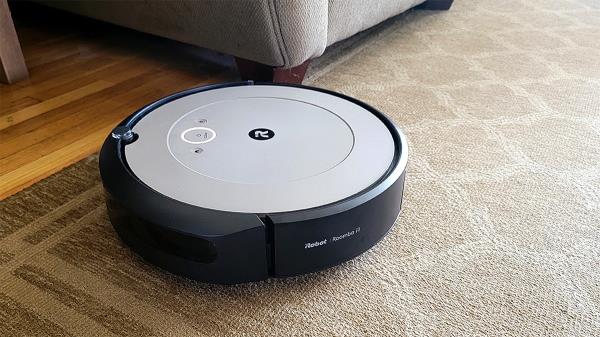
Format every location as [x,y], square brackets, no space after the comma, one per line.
[260,149]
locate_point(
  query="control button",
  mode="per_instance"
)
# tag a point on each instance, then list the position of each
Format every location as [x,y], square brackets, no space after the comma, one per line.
[198,135]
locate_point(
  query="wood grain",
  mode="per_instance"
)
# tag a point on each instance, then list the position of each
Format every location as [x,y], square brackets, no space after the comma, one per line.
[52,103]
[81,85]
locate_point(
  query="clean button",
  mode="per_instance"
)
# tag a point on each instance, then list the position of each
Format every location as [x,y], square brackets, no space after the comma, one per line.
[198,135]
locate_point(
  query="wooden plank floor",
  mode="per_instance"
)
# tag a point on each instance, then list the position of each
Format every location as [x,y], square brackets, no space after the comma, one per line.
[85,77]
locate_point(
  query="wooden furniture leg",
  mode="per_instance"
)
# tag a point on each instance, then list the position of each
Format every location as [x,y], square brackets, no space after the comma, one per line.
[13,66]
[250,70]
[436,5]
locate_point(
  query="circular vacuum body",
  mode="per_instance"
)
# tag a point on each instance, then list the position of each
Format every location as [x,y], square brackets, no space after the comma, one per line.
[239,182]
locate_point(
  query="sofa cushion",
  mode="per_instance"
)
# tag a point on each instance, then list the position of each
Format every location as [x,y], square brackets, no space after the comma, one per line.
[348,17]
[282,33]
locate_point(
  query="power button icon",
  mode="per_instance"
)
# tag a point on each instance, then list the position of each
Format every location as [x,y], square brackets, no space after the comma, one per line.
[198,135]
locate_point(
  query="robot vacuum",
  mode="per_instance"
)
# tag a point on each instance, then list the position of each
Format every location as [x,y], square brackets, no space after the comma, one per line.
[244,181]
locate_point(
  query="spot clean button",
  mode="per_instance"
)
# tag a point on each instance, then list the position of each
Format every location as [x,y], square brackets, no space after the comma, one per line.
[198,135]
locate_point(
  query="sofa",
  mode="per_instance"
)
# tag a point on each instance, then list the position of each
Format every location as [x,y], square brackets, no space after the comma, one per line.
[271,39]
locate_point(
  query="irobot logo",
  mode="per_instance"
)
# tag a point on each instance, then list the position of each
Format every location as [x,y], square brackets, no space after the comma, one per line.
[261,134]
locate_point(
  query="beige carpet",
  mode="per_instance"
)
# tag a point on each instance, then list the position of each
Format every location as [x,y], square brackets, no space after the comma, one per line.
[500,230]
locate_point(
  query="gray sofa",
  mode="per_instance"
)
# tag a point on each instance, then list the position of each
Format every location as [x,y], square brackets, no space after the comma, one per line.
[271,39]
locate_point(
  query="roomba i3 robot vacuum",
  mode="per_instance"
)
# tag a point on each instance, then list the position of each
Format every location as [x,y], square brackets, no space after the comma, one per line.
[238,182]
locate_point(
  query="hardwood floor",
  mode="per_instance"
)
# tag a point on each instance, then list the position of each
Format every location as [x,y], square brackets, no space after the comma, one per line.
[85,77]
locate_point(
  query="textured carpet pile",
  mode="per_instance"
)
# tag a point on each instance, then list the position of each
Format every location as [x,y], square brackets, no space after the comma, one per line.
[499,233]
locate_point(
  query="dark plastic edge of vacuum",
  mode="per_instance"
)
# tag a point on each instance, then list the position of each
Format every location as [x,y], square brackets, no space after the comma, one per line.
[235,248]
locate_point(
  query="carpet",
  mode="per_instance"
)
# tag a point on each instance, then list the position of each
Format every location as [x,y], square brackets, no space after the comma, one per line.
[499,233]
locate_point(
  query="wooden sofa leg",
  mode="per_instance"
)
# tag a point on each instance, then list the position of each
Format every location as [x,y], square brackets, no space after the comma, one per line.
[250,70]
[436,5]
[12,64]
